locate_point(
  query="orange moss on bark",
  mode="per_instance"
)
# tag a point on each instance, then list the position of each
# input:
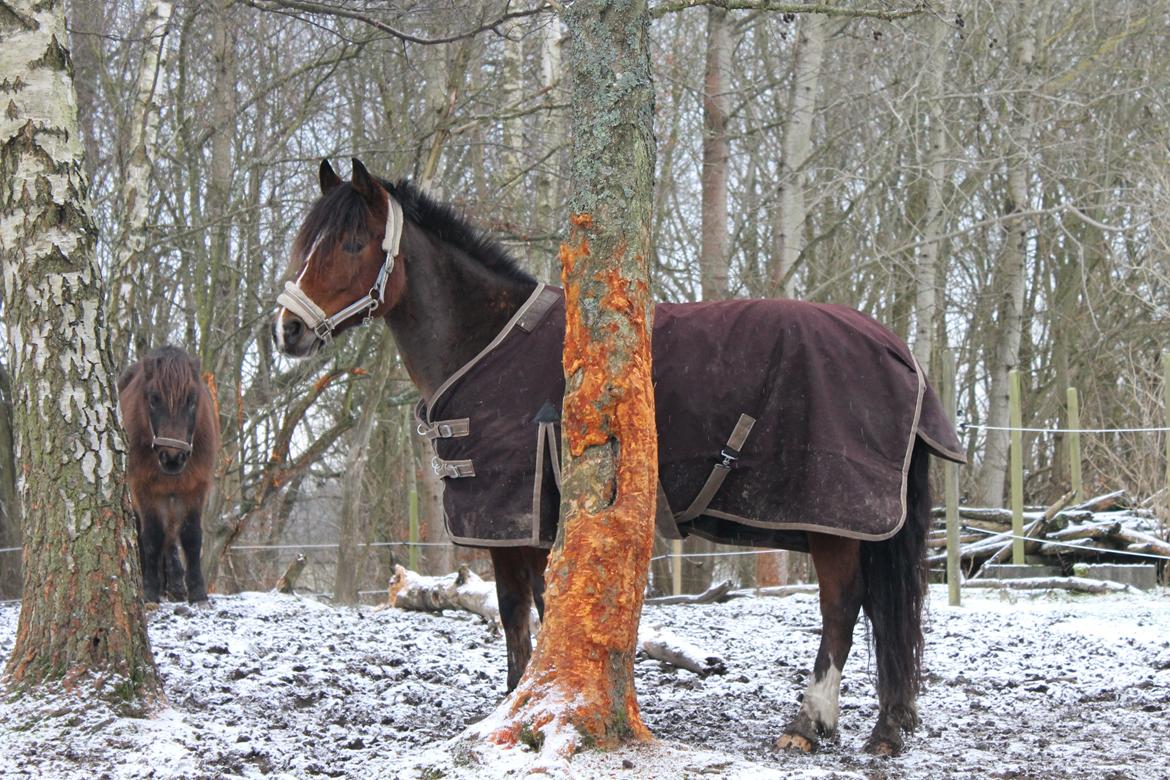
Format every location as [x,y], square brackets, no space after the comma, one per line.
[579,683]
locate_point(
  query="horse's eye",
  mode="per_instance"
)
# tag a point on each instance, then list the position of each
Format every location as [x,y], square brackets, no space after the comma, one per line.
[353,247]
[154,398]
[191,401]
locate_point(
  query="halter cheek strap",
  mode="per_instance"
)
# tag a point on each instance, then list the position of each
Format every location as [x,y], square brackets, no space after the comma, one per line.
[294,299]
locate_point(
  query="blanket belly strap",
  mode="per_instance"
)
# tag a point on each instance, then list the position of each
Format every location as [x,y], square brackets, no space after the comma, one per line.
[445,429]
[452,469]
[729,455]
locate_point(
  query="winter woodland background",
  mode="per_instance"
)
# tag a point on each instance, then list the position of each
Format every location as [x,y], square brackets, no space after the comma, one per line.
[985,178]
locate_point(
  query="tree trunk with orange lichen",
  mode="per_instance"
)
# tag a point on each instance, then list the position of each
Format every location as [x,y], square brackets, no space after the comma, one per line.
[81,618]
[578,690]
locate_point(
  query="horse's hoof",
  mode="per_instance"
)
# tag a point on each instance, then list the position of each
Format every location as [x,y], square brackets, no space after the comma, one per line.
[883,748]
[203,604]
[795,742]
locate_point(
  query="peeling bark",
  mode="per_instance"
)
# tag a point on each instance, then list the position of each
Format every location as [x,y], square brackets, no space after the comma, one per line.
[81,617]
[579,688]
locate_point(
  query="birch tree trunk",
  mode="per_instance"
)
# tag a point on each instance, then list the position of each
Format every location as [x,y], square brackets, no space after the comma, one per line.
[131,245]
[81,617]
[579,686]
[926,267]
[1010,282]
[713,254]
[9,499]
[795,149]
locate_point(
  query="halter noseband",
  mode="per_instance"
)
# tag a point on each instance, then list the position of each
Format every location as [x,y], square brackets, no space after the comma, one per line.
[294,299]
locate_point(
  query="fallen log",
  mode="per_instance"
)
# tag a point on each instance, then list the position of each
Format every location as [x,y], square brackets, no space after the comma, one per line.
[1076,584]
[717,592]
[463,589]
[1148,544]
[1091,531]
[1033,530]
[669,648]
[1107,502]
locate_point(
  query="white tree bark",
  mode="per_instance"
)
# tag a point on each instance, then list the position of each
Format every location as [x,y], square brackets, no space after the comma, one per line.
[713,249]
[926,266]
[1015,134]
[795,149]
[82,609]
[135,188]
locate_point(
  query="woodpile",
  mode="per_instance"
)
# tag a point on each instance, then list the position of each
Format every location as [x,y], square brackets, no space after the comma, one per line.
[1107,528]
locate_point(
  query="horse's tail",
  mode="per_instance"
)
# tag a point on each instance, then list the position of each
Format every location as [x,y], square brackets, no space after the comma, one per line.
[894,572]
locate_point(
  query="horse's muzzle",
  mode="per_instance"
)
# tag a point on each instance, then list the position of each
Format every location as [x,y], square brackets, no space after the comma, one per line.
[171,461]
[293,337]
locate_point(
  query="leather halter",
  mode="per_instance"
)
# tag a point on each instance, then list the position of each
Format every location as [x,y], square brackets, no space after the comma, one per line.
[294,299]
[157,441]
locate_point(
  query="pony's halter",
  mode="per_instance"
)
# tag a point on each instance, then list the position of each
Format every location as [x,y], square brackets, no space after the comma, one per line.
[294,299]
[165,441]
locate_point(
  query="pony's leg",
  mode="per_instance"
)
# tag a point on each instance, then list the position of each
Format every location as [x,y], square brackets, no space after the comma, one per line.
[514,593]
[895,590]
[537,561]
[838,564]
[191,537]
[151,541]
[173,575]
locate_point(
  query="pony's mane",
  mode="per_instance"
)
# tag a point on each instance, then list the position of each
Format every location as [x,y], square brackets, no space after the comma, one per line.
[174,373]
[343,210]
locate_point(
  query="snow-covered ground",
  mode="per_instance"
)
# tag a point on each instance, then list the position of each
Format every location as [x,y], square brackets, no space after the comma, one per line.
[260,685]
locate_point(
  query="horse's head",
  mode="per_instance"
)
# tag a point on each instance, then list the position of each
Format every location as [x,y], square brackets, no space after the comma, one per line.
[342,267]
[170,389]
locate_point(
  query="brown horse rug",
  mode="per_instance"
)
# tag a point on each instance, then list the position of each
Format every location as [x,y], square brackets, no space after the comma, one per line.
[774,417]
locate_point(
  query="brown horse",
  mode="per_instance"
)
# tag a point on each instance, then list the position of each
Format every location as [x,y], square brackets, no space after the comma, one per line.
[456,303]
[172,434]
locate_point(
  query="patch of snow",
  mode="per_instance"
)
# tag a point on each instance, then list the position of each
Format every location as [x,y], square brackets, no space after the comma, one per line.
[268,685]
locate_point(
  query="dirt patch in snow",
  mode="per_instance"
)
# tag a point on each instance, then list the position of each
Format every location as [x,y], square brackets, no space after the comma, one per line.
[261,685]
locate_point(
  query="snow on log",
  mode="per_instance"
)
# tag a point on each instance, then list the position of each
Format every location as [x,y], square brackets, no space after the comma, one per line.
[463,589]
[1076,584]
[669,648]
[712,594]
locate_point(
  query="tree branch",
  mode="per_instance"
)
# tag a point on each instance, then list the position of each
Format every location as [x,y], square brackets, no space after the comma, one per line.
[308,6]
[671,6]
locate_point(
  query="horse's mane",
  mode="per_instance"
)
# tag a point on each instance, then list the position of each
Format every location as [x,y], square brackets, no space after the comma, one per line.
[343,210]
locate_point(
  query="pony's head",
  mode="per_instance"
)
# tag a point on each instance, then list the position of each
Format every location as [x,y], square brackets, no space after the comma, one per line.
[342,270]
[168,388]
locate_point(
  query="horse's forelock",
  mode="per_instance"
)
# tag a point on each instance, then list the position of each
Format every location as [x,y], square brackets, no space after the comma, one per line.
[174,375]
[340,212]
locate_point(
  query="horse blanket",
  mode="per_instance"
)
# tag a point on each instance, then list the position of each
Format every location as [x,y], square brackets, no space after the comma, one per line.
[775,417]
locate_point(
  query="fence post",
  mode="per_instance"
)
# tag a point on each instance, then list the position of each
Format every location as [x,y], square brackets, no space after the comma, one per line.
[1017,467]
[951,484]
[1074,445]
[1166,411]
[676,566]
[412,497]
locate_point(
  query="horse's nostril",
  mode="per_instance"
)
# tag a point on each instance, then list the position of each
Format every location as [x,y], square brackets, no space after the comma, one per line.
[292,329]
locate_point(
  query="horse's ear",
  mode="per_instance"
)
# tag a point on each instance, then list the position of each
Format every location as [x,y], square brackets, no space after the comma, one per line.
[366,185]
[148,365]
[327,177]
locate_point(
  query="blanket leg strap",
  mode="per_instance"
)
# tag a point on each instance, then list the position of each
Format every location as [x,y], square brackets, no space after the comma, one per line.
[729,455]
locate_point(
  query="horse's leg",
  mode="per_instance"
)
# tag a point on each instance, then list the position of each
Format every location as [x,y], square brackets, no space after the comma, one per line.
[173,574]
[191,537]
[838,564]
[537,561]
[151,540]
[895,589]
[514,593]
